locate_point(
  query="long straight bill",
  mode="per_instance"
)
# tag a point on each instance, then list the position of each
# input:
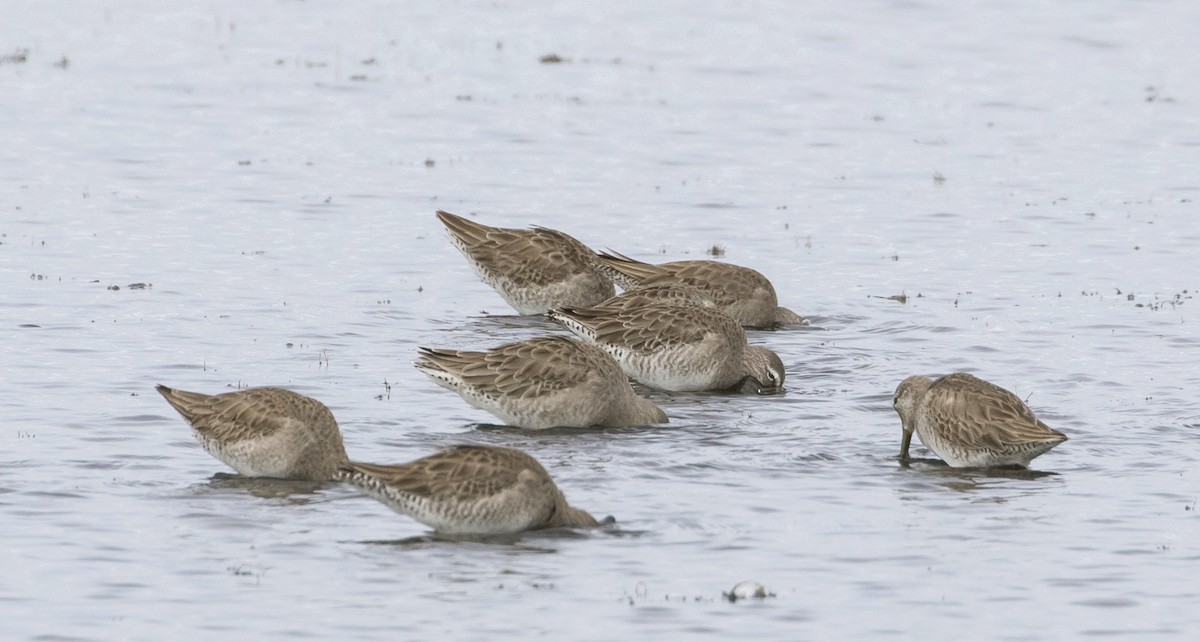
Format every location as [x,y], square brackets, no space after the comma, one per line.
[904,442]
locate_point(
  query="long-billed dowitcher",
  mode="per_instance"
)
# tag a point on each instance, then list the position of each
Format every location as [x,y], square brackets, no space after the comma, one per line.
[542,383]
[470,490]
[743,293]
[677,347]
[534,270]
[969,422]
[264,432]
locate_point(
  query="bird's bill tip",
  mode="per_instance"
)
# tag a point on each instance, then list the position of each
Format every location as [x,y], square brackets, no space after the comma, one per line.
[905,441]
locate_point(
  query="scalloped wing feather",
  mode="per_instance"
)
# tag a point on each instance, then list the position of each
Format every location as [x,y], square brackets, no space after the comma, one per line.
[526,368]
[727,282]
[669,291]
[652,327]
[537,256]
[254,412]
[463,474]
[979,414]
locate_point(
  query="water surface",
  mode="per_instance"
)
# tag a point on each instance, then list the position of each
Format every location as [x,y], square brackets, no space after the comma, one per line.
[1023,173]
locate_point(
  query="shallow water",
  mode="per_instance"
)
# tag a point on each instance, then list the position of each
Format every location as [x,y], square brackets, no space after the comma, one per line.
[1023,173]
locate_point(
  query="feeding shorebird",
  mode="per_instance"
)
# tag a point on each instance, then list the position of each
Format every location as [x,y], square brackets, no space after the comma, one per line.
[542,383]
[535,269]
[677,347]
[264,432]
[969,422]
[741,292]
[470,490]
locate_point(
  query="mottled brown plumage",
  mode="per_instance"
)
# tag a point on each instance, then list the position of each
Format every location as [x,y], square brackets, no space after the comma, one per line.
[533,270]
[542,383]
[677,347]
[969,422]
[644,295]
[470,490]
[741,292]
[264,432]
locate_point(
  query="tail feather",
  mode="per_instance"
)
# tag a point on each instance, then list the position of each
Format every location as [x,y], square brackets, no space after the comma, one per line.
[466,231]
[184,402]
[625,271]
[574,320]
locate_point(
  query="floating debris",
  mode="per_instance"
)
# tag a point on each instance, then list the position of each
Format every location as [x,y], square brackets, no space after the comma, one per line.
[747,590]
[551,59]
[1154,95]
[19,56]
[1161,303]
[901,298]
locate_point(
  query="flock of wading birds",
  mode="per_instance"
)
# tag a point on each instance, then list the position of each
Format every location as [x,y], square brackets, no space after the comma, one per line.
[676,327]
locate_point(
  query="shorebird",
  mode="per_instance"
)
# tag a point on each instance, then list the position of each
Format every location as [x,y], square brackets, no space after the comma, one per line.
[470,490]
[542,383]
[264,432]
[969,422]
[535,269]
[677,347]
[743,293]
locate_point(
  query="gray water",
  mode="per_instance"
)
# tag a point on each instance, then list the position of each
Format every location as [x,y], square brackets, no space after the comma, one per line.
[1024,173]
